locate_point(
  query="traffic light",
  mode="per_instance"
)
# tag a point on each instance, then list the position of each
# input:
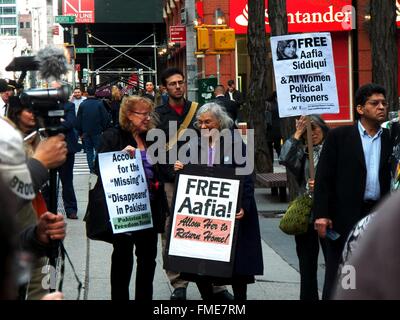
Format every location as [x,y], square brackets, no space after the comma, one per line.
[224,39]
[203,42]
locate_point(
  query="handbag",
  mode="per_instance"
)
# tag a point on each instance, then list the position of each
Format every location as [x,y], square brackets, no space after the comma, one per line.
[97,218]
[296,218]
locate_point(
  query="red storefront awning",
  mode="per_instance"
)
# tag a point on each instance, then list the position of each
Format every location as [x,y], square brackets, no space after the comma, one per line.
[303,16]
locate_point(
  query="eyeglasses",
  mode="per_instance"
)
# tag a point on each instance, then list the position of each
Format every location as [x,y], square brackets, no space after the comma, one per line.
[142,114]
[176,83]
[376,103]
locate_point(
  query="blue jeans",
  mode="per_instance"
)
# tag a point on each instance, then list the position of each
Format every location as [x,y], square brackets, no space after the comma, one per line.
[91,144]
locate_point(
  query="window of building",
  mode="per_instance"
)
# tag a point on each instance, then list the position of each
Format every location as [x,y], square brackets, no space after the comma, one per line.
[7,1]
[21,25]
[8,21]
[7,10]
[27,25]
[8,31]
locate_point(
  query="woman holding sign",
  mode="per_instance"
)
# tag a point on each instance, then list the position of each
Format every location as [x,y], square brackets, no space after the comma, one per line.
[213,123]
[294,157]
[135,119]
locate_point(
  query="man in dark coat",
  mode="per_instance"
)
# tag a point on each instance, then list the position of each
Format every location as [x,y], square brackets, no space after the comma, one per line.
[66,170]
[353,175]
[92,120]
[230,106]
[233,94]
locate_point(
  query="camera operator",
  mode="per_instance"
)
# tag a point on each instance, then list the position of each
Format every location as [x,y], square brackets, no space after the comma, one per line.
[35,235]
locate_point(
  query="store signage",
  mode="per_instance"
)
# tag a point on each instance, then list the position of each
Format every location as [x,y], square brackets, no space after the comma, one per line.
[177,33]
[303,16]
[398,13]
[83,10]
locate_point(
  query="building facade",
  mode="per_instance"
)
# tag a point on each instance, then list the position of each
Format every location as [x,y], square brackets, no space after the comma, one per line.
[346,20]
[8,18]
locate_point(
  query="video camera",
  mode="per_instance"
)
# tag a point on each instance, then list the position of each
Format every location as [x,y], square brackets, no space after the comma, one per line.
[47,104]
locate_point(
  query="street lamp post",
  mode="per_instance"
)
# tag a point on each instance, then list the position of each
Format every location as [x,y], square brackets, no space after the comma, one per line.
[191,61]
[73,57]
[219,19]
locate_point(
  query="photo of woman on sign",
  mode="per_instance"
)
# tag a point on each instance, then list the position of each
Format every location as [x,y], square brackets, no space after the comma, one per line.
[286,49]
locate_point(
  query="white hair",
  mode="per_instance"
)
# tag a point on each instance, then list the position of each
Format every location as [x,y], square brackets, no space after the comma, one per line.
[219,112]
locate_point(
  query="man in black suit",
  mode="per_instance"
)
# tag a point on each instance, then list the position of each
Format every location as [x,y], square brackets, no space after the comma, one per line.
[66,170]
[229,105]
[233,94]
[353,175]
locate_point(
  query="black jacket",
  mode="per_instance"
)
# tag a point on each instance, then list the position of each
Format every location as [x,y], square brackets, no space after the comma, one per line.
[248,252]
[237,96]
[341,177]
[68,124]
[92,118]
[116,139]
[230,106]
[166,114]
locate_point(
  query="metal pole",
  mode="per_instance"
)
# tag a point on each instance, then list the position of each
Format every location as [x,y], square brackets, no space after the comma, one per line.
[155,57]
[73,58]
[218,55]
[87,60]
[218,72]
[191,61]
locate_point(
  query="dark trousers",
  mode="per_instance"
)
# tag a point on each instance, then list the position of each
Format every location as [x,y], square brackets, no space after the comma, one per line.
[334,249]
[274,144]
[206,290]
[66,177]
[307,249]
[145,242]
[91,143]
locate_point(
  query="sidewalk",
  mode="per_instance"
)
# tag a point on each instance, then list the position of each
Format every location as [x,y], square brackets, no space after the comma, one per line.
[92,261]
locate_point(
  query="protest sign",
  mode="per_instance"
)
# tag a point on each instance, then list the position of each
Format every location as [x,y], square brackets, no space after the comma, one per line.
[126,191]
[304,74]
[203,225]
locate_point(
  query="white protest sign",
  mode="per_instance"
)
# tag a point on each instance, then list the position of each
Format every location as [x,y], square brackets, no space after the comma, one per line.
[304,74]
[126,191]
[204,217]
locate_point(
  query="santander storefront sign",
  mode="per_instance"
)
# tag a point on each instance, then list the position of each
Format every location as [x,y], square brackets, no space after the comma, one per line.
[303,16]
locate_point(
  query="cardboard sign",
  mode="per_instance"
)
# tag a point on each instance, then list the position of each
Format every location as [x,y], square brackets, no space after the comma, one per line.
[126,191]
[202,235]
[304,74]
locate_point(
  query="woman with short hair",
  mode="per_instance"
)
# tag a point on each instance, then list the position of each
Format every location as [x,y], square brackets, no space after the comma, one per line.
[214,123]
[135,119]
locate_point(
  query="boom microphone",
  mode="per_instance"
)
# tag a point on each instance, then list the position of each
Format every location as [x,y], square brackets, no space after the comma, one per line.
[52,63]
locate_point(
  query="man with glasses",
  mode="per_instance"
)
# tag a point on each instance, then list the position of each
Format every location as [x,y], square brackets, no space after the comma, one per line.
[353,175]
[180,112]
